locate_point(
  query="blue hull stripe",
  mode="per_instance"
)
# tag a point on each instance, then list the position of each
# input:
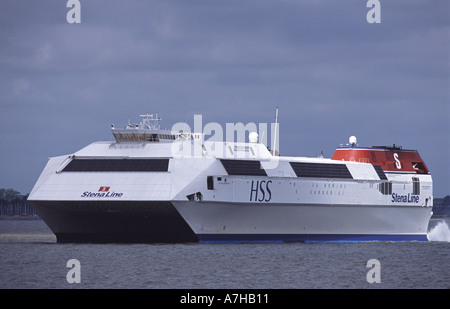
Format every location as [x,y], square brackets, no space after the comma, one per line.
[280,238]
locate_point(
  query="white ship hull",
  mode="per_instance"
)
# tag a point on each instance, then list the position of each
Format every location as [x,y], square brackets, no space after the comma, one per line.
[243,222]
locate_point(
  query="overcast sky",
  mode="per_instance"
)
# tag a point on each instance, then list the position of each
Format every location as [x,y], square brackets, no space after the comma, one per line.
[331,73]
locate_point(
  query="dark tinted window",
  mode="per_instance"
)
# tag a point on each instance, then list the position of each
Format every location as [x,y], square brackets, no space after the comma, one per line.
[243,167]
[380,172]
[117,165]
[321,170]
[386,188]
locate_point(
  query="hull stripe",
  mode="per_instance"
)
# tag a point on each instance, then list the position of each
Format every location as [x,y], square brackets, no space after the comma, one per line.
[281,238]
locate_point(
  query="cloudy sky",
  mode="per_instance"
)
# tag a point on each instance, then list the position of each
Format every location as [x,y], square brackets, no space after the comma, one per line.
[331,73]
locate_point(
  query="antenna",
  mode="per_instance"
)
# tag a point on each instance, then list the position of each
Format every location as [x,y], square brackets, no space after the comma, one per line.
[275,138]
[150,121]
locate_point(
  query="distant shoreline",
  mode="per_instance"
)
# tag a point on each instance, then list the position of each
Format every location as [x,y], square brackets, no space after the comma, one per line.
[440,217]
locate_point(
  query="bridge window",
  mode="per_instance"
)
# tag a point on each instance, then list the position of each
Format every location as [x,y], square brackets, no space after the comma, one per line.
[419,167]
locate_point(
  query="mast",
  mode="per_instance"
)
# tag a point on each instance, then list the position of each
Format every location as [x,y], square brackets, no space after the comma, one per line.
[149,121]
[275,137]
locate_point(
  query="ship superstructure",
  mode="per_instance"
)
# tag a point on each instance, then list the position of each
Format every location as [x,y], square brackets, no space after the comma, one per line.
[152,185]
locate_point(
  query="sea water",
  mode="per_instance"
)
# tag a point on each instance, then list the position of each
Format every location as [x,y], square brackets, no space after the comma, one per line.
[31,258]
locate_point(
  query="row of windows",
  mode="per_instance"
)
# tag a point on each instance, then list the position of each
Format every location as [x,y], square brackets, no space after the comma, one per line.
[386,188]
[144,137]
[329,185]
[321,170]
[323,192]
[117,165]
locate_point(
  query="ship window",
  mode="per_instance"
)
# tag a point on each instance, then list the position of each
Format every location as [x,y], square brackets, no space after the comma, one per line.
[199,196]
[380,172]
[243,167]
[117,165]
[210,182]
[386,188]
[321,170]
[416,186]
[419,167]
[134,137]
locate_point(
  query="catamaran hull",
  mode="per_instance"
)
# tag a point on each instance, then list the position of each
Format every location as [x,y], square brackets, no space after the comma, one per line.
[188,221]
[114,222]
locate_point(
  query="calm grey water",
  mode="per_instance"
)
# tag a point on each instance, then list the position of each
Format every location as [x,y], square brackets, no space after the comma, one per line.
[30,258]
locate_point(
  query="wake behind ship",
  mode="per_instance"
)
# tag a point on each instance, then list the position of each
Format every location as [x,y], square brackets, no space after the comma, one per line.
[158,186]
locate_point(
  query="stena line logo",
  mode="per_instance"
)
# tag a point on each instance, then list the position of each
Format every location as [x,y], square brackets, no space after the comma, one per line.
[102,192]
[410,198]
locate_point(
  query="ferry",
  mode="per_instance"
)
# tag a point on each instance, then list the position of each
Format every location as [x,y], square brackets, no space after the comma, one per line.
[149,185]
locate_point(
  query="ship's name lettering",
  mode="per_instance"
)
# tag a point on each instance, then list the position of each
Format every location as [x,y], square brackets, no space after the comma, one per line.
[410,198]
[101,194]
[260,191]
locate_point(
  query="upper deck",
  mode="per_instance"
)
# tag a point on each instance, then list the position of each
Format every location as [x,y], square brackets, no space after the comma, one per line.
[148,130]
